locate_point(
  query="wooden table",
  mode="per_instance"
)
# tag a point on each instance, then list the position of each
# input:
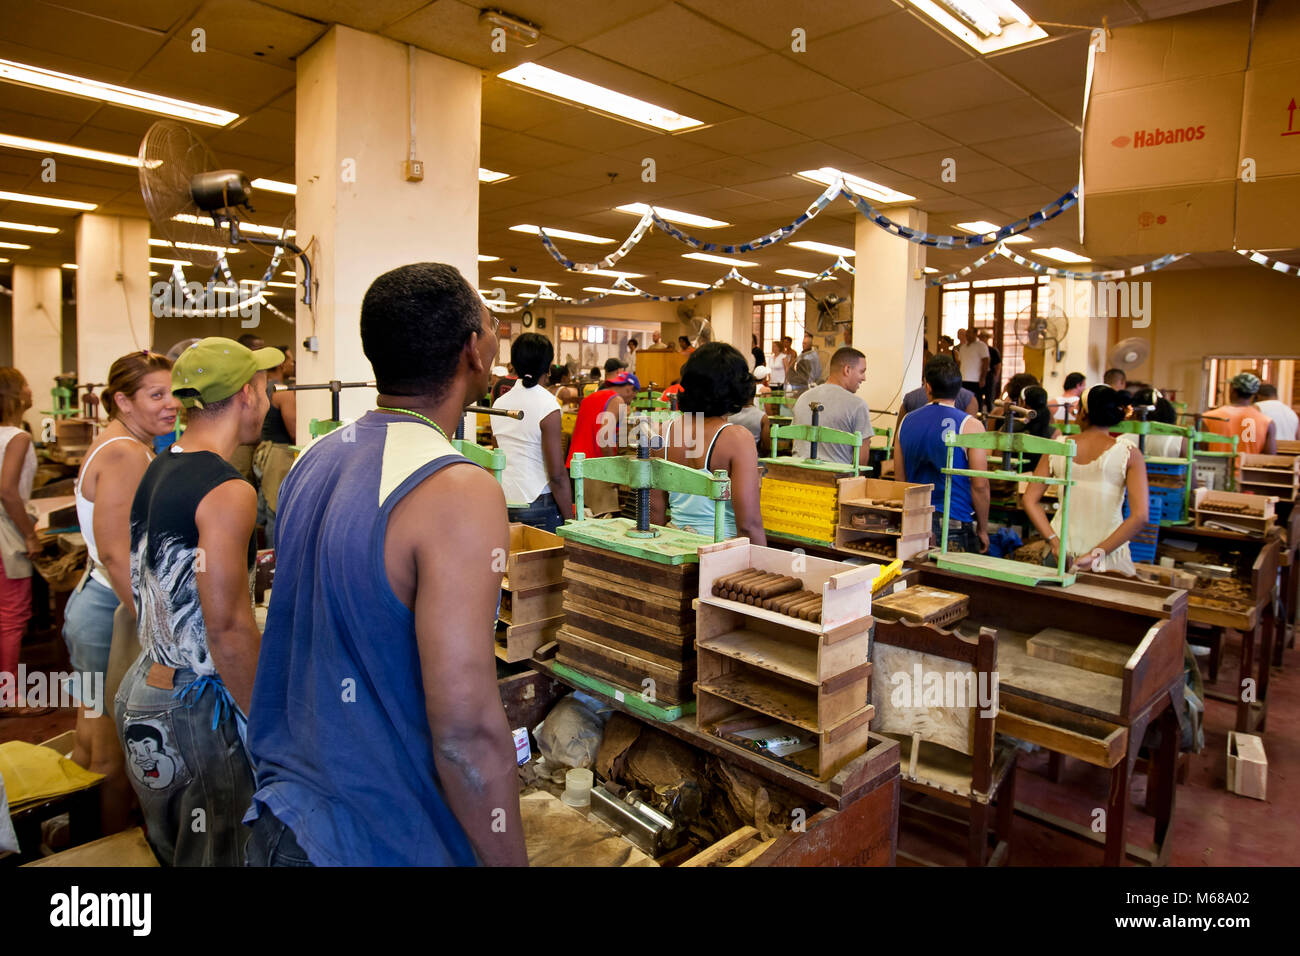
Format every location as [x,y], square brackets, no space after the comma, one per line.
[1255,623]
[1289,567]
[854,815]
[1097,718]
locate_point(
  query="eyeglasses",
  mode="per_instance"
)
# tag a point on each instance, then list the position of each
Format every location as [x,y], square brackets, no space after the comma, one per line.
[496,323]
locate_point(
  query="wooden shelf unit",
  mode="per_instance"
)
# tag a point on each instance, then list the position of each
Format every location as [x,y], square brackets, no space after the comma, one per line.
[1259,521]
[907,507]
[1277,475]
[756,667]
[532,593]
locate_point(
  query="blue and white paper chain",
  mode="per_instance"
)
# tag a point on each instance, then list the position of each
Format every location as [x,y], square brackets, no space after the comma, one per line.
[1276,265]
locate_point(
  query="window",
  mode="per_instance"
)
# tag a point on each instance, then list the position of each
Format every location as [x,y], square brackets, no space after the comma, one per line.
[778,314]
[1002,306]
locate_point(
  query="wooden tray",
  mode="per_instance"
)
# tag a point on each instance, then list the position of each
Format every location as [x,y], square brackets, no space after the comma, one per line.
[921,604]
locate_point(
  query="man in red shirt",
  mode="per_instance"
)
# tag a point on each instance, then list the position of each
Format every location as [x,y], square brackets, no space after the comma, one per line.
[596,434]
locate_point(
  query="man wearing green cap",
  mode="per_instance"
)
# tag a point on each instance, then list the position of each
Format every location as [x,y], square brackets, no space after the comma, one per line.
[181,708]
[1255,431]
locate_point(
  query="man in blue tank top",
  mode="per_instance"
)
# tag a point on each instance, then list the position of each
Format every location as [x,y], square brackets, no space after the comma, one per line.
[920,455]
[377,732]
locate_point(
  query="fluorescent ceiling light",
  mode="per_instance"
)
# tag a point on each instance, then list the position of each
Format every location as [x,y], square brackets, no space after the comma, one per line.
[614,274]
[672,215]
[797,273]
[825,247]
[563,234]
[598,98]
[519,281]
[483,258]
[283,285]
[930,270]
[1060,255]
[720,260]
[982,227]
[251,227]
[14,245]
[275,186]
[152,273]
[28,227]
[3,260]
[170,262]
[686,283]
[47,201]
[191,245]
[881,194]
[67,149]
[289,272]
[593,288]
[70,265]
[108,93]
[984,25]
[491,175]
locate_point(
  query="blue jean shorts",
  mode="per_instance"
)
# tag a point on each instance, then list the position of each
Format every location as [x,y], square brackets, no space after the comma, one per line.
[542,513]
[88,625]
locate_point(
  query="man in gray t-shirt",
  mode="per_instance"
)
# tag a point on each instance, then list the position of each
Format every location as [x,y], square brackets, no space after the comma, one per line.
[841,408]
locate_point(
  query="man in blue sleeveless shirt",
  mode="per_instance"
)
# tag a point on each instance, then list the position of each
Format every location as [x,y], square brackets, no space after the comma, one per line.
[377,733]
[920,454]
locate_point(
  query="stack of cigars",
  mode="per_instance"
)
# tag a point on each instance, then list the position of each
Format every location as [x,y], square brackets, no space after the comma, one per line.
[771,591]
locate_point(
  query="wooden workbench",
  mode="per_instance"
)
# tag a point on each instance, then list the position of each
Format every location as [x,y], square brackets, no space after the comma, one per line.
[853,818]
[1289,567]
[1097,718]
[1255,622]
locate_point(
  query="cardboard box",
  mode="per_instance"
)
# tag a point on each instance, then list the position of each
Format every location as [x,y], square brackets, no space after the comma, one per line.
[1268,209]
[1162,134]
[1247,765]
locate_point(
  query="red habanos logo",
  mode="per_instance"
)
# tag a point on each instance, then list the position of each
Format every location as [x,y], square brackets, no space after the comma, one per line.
[1160,137]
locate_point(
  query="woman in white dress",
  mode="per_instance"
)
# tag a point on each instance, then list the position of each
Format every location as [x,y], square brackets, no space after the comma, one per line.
[1103,470]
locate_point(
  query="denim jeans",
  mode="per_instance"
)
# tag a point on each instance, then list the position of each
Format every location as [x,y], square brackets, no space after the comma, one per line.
[961,535]
[88,625]
[542,513]
[273,844]
[187,764]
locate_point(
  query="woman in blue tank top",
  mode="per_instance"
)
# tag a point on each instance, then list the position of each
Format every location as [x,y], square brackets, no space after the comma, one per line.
[716,383]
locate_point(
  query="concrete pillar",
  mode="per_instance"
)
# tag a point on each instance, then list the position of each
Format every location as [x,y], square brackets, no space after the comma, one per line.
[114,316]
[37,334]
[889,310]
[353,127]
[1084,346]
[732,317]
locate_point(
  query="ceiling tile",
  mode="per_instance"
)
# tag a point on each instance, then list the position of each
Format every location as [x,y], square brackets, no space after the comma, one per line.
[766,82]
[1018,117]
[771,22]
[371,16]
[834,115]
[452,29]
[883,50]
[672,42]
[940,91]
[904,139]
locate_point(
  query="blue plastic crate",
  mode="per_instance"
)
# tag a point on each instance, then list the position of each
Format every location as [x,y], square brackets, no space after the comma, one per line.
[1143,547]
[1173,504]
[1162,468]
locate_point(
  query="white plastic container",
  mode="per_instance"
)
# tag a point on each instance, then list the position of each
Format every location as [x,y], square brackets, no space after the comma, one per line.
[577,788]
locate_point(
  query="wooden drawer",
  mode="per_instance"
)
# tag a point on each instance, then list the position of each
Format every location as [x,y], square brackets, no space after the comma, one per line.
[1095,741]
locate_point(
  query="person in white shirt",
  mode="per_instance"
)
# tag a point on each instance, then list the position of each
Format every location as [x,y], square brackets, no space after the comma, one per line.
[535,481]
[1066,408]
[776,372]
[632,346]
[973,358]
[1285,421]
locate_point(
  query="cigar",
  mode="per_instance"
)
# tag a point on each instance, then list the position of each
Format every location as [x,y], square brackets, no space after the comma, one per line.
[779,603]
[804,608]
[756,584]
[781,585]
[743,583]
[729,580]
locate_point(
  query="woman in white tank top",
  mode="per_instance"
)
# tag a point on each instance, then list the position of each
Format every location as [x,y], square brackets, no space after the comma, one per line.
[140,406]
[18,541]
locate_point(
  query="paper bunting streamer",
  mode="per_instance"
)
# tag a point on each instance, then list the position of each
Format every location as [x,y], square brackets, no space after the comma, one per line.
[1274,264]
[777,235]
[1109,275]
[1050,211]
[642,227]
[193,306]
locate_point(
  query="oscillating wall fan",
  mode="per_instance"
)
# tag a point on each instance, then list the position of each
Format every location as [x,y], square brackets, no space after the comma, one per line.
[194,204]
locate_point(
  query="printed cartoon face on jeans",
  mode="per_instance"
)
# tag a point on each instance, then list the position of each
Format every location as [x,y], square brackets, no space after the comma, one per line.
[149,760]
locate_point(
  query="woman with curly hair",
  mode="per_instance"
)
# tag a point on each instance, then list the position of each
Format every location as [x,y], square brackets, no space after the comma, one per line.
[716,384]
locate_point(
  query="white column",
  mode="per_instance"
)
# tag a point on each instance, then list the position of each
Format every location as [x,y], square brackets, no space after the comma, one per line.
[1084,346]
[353,129]
[38,334]
[889,310]
[114,316]
[732,317]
